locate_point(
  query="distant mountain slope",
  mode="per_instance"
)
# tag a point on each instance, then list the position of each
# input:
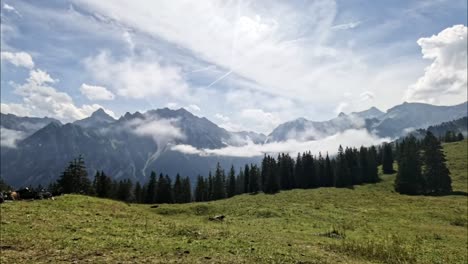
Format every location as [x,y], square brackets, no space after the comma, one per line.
[116,148]
[27,125]
[407,117]
[396,122]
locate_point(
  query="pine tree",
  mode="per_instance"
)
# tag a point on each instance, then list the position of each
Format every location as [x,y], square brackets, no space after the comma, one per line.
[363,164]
[387,159]
[409,179]
[219,191]
[186,190]
[124,192]
[246,178]
[270,174]
[460,137]
[138,193]
[254,179]
[372,169]
[436,174]
[177,190]
[328,172]
[210,186]
[201,190]
[342,174]
[308,166]
[299,172]
[150,196]
[231,185]
[320,170]
[75,178]
[240,182]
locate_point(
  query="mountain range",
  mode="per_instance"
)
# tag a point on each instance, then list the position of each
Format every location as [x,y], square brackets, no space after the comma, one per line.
[36,150]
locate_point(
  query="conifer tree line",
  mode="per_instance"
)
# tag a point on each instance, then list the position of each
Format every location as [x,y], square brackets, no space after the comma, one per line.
[451,136]
[422,167]
[421,164]
[351,166]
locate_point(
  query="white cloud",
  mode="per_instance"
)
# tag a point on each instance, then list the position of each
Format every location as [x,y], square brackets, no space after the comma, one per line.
[222,117]
[349,138]
[265,121]
[138,77]
[163,131]
[367,95]
[93,92]
[11,9]
[445,80]
[341,107]
[40,99]
[267,43]
[346,26]
[172,105]
[9,137]
[194,108]
[19,59]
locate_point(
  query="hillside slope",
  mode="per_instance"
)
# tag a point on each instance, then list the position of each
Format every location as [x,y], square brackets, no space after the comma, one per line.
[367,224]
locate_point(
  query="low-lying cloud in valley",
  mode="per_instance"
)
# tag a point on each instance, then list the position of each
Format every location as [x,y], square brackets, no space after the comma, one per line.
[348,138]
[9,137]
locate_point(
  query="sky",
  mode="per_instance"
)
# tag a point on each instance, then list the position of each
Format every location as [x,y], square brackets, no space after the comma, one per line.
[245,65]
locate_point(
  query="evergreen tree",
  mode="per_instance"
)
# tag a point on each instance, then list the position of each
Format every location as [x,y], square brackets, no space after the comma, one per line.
[409,179]
[372,169]
[177,190]
[328,172]
[299,172]
[219,191]
[342,174]
[75,178]
[138,193]
[240,182]
[246,178]
[186,190]
[254,179]
[201,190]
[270,174]
[363,164]
[450,136]
[310,180]
[124,192]
[231,185]
[460,137]
[150,196]
[320,170]
[387,159]
[436,174]
[210,187]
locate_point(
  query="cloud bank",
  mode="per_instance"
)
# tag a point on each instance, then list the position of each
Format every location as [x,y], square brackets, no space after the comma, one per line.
[348,138]
[9,137]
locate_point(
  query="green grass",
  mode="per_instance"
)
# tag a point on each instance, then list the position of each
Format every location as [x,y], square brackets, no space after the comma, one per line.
[367,224]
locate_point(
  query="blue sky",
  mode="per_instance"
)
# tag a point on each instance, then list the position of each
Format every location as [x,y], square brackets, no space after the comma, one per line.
[246,65]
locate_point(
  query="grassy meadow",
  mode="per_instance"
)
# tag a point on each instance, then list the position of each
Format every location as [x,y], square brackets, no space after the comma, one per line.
[367,224]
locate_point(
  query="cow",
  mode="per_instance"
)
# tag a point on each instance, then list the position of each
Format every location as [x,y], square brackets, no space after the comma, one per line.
[26,193]
[14,196]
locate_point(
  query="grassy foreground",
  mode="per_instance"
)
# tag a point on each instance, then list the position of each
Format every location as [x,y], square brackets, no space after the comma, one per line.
[367,224]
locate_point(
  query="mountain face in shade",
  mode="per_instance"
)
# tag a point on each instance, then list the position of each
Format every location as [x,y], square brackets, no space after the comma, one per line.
[115,147]
[138,143]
